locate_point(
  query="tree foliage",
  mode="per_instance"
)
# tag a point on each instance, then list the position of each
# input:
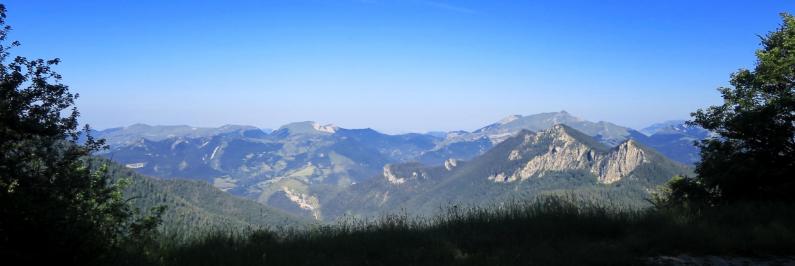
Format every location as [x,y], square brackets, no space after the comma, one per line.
[55,203]
[752,155]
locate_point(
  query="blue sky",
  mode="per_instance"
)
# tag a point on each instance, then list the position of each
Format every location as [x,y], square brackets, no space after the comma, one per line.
[395,66]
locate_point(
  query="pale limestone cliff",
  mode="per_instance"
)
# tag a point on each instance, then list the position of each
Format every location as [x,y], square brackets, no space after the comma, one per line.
[306,202]
[451,163]
[620,162]
[397,177]
[392,178]
[565,152]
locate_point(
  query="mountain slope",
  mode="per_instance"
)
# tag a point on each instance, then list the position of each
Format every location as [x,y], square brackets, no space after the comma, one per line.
[193,207]
[607,132]
[657,127]
[291,169]
[121,136]
[672,138]
[465,145]
[677,141]
[529,164]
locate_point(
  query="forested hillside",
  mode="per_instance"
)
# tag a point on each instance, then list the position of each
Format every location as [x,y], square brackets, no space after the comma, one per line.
[196,207]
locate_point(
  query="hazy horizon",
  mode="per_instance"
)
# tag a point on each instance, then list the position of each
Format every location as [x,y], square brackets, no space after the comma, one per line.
[387,132]
[394,66]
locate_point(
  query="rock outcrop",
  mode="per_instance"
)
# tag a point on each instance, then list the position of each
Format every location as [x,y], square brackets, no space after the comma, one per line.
[565,152]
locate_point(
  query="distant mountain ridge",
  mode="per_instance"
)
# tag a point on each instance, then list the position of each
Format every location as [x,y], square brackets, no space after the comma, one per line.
[301,166]
[306,127]
[656,127]
[121,136]
[607,132]
[466,145]
[676,140]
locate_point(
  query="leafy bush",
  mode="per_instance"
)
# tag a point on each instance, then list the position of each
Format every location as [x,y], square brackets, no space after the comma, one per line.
[752,156]
[55,202]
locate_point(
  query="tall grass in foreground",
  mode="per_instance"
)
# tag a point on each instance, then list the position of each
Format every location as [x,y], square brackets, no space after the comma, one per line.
[549,231]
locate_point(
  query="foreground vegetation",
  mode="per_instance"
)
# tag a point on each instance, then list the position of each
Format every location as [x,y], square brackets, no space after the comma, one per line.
[549,231]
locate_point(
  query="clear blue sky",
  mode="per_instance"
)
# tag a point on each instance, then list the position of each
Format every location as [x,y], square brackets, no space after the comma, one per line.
[395,66]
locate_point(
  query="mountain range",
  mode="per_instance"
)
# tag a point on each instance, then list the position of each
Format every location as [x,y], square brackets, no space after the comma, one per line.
[324,171]
[556,160]
[674,139]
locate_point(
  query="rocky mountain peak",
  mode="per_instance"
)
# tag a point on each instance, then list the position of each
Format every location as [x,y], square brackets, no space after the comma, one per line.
[562,148]
[305,128]
[560,130]
[620,162]
[328,128]
[561,133]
